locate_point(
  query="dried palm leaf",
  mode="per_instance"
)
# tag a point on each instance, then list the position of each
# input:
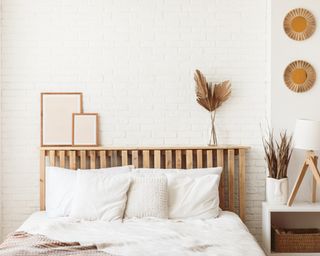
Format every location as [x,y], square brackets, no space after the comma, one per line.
[222,91]
[212,100]
[204,103]
[202,86]
[208,95]
[211,97]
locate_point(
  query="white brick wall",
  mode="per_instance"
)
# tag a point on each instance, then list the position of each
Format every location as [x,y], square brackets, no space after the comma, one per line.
[134,62]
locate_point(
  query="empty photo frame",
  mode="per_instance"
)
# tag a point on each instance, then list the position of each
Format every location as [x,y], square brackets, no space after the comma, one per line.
[56,117]
[85,129]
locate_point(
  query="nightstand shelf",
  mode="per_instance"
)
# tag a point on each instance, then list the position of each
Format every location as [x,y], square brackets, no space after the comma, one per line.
[299,215]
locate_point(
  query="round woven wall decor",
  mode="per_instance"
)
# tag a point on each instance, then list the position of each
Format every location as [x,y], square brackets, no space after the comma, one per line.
[299,24]
[299,76]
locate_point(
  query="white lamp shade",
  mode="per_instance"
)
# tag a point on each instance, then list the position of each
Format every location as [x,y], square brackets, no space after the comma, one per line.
[307,134]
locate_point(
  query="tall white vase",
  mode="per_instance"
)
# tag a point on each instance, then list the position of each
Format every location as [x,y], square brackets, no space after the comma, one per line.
[277,190]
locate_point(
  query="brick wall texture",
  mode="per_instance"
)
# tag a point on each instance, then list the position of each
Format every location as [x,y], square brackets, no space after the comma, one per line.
[134,62]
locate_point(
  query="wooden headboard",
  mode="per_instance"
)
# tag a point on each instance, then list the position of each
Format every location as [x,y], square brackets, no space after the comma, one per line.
[231,158]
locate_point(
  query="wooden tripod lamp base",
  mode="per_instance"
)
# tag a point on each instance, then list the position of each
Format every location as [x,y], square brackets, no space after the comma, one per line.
[307,137]
[309,163]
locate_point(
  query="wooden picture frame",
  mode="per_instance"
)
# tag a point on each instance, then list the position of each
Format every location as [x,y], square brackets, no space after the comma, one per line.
[56,117]
[85,129]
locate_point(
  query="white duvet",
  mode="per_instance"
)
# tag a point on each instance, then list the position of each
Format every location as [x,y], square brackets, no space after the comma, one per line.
[225,235]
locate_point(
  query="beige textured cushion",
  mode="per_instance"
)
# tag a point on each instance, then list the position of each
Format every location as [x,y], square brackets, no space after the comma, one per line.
[147,196]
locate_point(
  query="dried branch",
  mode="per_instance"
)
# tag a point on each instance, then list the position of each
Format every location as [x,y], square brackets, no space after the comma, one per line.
[277,154]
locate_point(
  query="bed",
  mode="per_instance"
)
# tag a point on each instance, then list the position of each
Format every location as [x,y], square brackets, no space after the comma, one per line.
[225,235]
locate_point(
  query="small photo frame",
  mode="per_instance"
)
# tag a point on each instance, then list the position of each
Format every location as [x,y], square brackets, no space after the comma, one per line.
[85,129]
[56,117]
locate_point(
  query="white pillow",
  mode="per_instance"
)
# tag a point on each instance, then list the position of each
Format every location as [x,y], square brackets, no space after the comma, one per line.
[147,196]
[184,202]
[193,197]
[190,172]
[60,185]
[99,196]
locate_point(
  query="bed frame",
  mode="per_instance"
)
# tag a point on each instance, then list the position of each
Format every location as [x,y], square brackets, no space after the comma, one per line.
[231,158]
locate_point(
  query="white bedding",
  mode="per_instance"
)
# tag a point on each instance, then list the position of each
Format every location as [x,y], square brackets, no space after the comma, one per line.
[223,236]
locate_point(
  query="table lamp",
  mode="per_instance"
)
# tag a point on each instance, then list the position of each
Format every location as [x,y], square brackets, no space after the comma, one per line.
[307,137]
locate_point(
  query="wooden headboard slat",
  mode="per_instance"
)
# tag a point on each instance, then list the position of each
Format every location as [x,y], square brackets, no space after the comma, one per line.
[230,157]
[73,160]
[62,159]
[135,158]
[146,158]
[52,157]
[199,158]
[83,159]
[209,158]
[124,157]
[168,159]
[231,178]
[157,159]
[103,159]
[178,159]
[220,162]
[242,178]
[92,159]
[189,156]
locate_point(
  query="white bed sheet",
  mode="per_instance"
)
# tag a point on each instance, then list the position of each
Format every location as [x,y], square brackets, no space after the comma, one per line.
[223,236]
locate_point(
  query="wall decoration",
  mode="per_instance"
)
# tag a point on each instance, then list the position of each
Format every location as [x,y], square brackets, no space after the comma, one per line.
[211,98]
[56,117]
[85,129]
[299,76]
[299,24]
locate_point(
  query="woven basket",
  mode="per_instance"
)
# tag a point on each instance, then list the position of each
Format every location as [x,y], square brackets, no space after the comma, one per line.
[295,240]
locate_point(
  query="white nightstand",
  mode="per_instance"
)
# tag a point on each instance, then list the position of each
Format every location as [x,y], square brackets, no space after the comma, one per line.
[299,215]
